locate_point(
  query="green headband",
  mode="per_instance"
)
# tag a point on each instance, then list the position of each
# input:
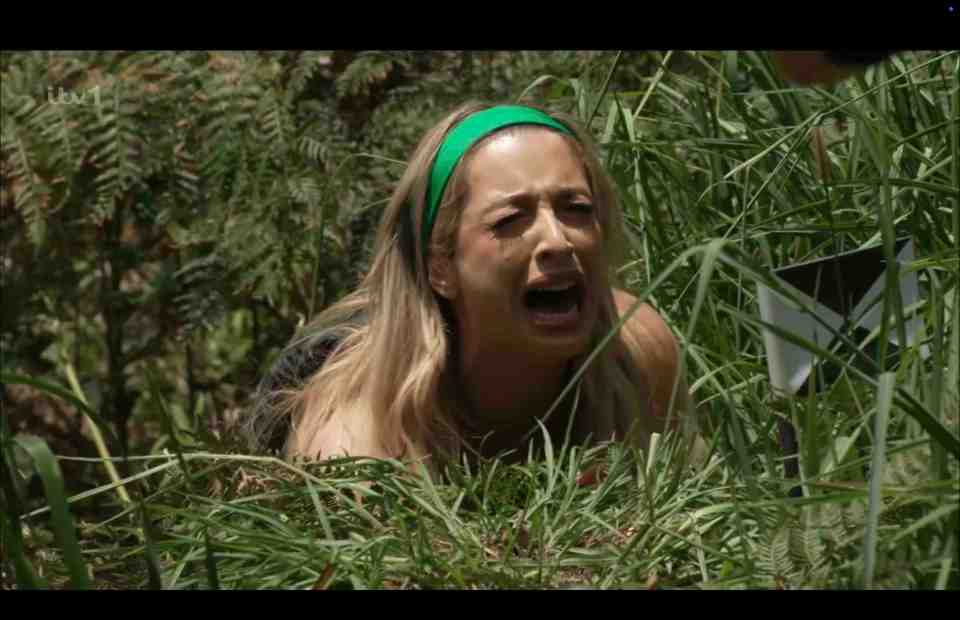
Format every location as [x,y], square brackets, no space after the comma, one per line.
[465,135]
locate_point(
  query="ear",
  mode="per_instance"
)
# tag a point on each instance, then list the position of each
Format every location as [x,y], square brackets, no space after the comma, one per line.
[443,276]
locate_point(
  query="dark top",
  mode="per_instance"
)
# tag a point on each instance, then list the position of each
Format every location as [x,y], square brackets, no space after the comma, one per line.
[296,364]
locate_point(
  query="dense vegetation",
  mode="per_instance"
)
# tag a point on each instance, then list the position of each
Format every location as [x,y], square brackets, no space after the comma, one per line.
[169,219]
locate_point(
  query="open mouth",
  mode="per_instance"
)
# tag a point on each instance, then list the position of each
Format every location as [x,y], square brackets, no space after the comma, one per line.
[557,305]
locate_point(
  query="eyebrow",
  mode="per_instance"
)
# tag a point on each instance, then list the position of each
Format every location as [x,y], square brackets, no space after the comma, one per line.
[558,193]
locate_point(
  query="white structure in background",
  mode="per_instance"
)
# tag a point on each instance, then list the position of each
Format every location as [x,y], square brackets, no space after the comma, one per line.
[829,287]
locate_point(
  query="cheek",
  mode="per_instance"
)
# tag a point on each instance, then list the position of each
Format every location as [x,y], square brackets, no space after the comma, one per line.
[490,268]
[592,255]
[590,245]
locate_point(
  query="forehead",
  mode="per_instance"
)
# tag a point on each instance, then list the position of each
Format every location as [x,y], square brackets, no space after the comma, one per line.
[524,159]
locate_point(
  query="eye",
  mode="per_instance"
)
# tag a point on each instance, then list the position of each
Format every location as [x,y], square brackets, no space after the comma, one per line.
[505,220]
[581,206]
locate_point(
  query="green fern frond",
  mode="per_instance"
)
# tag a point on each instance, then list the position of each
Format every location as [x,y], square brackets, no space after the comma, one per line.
[907,468]
[59,133]
[364,72]
[273,123]
[186,180]
[305,191]
[772,555]
[307,64]
[117,150]
[231,98]
[26,74]
[806,547]
[19,106]
[311,148]
[29,192]
[202,302]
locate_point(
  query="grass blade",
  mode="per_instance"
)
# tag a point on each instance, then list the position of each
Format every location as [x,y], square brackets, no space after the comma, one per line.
[11,533]
[875,502]
[213,577]
[49,471]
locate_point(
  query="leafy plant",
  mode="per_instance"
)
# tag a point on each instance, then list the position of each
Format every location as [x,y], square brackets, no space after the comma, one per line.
[218,199]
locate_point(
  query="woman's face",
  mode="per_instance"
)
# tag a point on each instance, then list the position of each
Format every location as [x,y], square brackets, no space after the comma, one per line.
[529,269]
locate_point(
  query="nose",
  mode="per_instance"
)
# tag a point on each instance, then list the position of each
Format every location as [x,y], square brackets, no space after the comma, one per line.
[551,235]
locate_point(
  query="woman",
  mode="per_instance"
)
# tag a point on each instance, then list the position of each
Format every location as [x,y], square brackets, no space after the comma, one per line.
[489,289]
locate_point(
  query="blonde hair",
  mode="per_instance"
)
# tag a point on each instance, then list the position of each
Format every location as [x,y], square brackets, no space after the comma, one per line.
[391,373]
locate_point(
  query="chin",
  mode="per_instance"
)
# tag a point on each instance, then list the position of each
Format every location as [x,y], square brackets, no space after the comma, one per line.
[562,351]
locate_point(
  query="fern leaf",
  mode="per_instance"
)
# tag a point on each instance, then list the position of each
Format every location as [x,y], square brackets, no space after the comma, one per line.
[313,149]
[28,192]
[272,121]
[773,555]
[363,73]
[185,172]
[117,147]
[58,133]
[305,191]
[307,64]
[807,548]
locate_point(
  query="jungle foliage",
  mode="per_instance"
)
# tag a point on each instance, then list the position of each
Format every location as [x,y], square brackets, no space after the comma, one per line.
[170,219]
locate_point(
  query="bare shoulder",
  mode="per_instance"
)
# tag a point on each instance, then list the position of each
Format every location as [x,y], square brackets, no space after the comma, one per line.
[338,436]
[646,324]
[653,348]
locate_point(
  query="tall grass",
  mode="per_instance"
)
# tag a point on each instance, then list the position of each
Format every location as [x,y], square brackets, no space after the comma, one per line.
[727,173]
